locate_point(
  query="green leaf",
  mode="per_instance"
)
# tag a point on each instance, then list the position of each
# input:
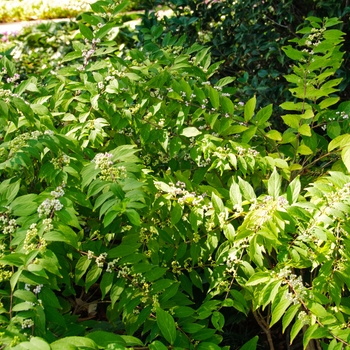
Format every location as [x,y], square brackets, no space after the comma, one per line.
[249,134]
[24,205]
[274,135]
[124,249]
[176,213]
[92,276]
[247,189]
[217,203]
[25,295]
[333,129]
[106,283]
[258,278]
[251,344]
[218,320]
[308,334]
[213,97]
[76,342]
[289,315]
[104,30]
[279,310]
[208,346]
[229,232]
[166,325]
[131,341]
[157,345]
[4,108]
[305,130]
[249,109]
[274,184]
[81,267]
[103,339]
[304,150]
[263,115]
[297,326]
[291,120]
[63,234]
[191,131]
[86,31]
[72,56]
[293,53]
[293,190]
[22,306]
[133,216]
[227,105]
[345,157]
[340,141]
[225,81]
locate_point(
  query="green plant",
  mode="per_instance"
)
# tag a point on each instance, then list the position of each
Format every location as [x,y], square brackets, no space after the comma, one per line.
[248,36]
[142,205]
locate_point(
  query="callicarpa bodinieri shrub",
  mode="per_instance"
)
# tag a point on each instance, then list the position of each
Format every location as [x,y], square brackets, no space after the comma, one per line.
[143,206]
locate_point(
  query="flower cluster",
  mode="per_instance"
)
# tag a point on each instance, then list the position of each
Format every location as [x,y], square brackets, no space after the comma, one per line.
[342,115]
[180,193]
[100,260]
[111,265]
[304,318]
[36,289]
[297,289]
[58,192]
[87,54]
[21,140]
[15,77]
[33,241]
[5,275]
[60,162]
[27,323]
[108,171]
[243,152]
[147,233]
[49,206]
[7,225]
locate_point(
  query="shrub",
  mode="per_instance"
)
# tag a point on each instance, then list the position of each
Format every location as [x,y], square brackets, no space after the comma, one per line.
[248,37]
[143,205]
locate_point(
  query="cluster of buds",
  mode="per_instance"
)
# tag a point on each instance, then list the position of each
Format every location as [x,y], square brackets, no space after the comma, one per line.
[243,152]
[15,77]
[263,210]
[147,233]
[5,275]
[33,241]
[87,54]
[342,115]
[58,192]
[179,193]
[111,265]
[7,225]
[60,162]
[21,140]
[108,171]
[297,289]
[100,260]
[27,323]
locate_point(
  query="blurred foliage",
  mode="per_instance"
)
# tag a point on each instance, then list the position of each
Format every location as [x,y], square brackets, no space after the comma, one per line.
[247,35]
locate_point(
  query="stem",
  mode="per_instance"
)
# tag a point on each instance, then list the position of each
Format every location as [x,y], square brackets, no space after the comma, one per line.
[265,327]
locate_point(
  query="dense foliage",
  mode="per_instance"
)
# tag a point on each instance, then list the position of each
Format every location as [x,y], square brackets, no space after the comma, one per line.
[248,36]
[144,205]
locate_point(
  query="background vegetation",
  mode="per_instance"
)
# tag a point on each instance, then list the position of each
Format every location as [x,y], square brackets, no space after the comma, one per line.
[174,186]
